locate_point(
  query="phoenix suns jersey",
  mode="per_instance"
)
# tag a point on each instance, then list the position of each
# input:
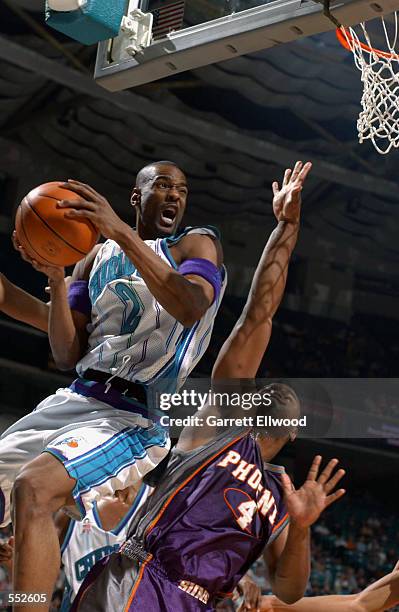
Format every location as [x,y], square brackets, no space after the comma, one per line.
[131,334]
[208,520]
[217,524]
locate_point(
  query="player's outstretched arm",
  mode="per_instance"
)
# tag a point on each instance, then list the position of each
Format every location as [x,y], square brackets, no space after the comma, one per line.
[378,597]
[288,557]
[186,298]
[241,354]
[20,305]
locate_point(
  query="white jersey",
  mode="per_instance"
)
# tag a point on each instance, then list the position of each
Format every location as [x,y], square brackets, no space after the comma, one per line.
[86,542]
[131,334]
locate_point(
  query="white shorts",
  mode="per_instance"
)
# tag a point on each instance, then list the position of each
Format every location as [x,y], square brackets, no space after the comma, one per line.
[104,449]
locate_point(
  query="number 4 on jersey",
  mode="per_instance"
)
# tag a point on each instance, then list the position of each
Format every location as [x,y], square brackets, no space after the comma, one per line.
[246,510]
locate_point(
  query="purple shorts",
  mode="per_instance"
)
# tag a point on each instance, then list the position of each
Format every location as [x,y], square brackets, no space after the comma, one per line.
[120,584]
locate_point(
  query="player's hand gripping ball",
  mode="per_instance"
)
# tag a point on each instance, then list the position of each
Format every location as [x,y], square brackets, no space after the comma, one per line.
[46,234]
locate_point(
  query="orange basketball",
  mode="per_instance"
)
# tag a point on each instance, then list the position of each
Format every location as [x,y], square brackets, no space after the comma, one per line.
[45,233]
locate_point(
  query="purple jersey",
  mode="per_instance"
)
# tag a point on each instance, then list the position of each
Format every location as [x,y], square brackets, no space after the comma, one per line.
[207,522]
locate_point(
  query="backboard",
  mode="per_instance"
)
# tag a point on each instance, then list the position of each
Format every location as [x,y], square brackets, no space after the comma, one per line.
[187,34]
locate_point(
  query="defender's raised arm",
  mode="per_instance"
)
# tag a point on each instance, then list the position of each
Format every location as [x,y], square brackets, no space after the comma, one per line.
[241,354]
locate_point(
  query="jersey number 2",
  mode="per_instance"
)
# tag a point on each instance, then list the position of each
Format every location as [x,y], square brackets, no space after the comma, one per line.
[129,296]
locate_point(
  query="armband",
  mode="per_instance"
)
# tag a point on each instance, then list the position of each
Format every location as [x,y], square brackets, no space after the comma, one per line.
[78,297]
[207,270]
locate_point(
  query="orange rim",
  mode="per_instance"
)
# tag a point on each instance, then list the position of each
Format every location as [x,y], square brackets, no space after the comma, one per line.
[348,40]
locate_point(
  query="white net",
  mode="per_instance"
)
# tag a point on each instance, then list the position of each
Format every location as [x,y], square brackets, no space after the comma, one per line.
[379,118]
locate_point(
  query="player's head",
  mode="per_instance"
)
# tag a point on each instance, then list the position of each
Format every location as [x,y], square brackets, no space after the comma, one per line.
[159,197]
[282,412]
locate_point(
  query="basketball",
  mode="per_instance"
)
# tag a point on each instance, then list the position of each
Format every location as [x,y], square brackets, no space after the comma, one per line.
[45,233]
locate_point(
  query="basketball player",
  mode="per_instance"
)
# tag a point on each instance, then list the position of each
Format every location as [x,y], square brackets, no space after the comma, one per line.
[378,597]
[83,543]
[140,315]
[219,504]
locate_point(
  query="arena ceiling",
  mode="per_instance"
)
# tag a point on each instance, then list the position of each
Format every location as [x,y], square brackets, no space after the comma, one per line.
[233,127]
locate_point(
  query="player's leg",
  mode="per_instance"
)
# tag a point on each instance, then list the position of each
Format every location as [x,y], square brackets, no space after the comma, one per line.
[42,487]
[17,447]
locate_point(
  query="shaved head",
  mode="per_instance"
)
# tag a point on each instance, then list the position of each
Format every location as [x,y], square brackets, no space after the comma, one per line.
[148,172]
[159,197]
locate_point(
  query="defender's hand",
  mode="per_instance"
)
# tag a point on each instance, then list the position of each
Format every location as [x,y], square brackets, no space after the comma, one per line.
[287,200]
[94,207]
[251,594]
[266,603]
[53,273]
[307,503]
[6,553]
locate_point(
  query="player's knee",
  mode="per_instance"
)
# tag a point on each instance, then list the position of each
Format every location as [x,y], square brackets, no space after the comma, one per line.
[31,492]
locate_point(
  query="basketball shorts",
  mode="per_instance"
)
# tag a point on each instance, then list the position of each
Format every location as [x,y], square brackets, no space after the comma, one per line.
[104,449]
[118,584]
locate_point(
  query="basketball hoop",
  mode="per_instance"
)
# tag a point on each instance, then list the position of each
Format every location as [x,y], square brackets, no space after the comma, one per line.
[379,118]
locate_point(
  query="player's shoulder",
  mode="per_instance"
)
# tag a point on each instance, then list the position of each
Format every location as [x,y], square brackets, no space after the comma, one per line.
[194,231]
[194,242]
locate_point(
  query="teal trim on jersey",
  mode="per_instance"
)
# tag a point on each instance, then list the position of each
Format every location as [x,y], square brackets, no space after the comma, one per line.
[66,603]
[170,370]
[182,350]
[172,240]
[97,516]
[203,339]
[168,254]
[68,535]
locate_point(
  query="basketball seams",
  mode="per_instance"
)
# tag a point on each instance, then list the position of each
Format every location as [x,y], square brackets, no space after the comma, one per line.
[51,229]
[29,242]
[63,241]
[57,199]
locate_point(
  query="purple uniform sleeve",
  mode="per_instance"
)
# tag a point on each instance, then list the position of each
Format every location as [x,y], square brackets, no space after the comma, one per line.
[78,297]
[206,269]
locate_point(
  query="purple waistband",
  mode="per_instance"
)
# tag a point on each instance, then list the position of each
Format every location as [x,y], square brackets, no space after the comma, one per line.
[114,398]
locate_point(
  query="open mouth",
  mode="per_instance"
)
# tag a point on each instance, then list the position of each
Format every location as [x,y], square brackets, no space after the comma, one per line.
[168,216]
